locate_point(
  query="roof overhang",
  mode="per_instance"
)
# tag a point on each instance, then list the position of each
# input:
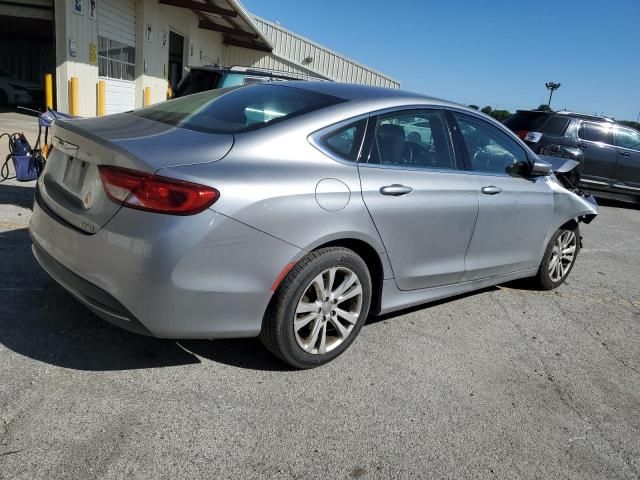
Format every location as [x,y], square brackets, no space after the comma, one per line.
[228,17]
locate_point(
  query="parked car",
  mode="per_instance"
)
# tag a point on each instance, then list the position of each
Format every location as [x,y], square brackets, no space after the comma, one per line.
[609,152]
[294,210]
[209,77]
[14,91]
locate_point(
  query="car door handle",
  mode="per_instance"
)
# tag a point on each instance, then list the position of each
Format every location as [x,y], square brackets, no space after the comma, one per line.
[624,154]
[582,144]
[491,190]
[395,190]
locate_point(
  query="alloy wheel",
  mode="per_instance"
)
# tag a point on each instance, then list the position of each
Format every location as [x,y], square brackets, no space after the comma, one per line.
[328,310]
[563,255]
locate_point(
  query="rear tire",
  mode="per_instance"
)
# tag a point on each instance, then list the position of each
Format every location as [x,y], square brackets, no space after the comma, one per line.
[318,309]
[559,258]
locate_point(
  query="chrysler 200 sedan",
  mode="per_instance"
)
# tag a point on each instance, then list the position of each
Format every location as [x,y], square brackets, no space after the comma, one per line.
[293,211]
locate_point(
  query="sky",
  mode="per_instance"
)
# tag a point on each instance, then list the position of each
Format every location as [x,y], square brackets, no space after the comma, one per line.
[485,52]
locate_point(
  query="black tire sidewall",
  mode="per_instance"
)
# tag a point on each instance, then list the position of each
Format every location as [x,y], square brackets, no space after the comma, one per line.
[291,292]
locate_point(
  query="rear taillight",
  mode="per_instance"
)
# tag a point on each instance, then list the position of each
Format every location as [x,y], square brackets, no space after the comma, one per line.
[153,193]
[533,137]
[522,133]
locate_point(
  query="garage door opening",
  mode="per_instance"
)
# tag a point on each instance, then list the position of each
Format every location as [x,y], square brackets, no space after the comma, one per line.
[176,62]
[27,52]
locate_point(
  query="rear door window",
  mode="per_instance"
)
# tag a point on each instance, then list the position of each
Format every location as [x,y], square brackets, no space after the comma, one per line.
[596,132]
[412,138]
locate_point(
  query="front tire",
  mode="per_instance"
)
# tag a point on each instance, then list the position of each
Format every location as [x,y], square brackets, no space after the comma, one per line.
[559,258]
[318,309]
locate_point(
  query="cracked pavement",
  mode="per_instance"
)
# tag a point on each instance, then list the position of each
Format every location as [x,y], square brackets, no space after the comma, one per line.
[503,383]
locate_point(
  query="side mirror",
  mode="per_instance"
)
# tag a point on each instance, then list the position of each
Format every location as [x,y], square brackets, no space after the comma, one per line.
[540,169]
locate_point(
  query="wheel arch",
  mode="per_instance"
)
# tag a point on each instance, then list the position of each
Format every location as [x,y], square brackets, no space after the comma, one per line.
[373,261]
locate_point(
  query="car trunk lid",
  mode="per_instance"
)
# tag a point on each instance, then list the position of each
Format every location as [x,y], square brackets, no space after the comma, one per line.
[70,184]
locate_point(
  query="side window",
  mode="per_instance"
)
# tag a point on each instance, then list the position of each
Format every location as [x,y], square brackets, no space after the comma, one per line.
[595,132]
[412,138]
[248,80]
[490,149]
[345,141]
[626,138]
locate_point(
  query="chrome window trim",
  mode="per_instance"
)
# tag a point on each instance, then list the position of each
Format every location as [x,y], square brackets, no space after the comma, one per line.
[412,168]
[626,187]
[594,182]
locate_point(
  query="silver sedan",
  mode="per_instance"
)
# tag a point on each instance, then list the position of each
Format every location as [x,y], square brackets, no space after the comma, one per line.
[295,211]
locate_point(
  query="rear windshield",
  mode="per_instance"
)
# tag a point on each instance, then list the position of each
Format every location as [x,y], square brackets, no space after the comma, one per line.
[555,126]
[197,81]
[523,120]
[236,110]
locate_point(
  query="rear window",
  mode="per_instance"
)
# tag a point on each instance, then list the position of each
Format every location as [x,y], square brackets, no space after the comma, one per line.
[236,110]
[197,81]
[554,126]
[523,120]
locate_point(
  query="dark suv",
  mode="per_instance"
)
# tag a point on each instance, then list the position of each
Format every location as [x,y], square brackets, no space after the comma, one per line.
[200,79]
[609,152]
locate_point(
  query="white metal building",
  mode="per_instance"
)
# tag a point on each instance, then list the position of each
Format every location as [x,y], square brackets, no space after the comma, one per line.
[134,44]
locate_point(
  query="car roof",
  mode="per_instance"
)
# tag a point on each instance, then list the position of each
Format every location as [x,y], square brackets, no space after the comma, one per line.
[583,116]
[357,93]
[255,71]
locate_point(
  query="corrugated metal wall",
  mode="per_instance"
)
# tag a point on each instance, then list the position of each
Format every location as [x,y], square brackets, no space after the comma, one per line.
[293,49]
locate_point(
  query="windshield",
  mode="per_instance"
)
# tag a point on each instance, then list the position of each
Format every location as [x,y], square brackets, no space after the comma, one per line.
[235,110]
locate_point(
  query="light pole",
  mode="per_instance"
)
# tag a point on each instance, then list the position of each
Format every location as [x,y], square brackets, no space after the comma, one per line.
[552,87]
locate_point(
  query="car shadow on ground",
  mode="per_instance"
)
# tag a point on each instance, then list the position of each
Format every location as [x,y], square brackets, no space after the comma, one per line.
[18,195]
[605,202]
[422,306]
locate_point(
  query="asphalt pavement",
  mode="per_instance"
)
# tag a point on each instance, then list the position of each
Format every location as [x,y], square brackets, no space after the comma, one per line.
[503,383]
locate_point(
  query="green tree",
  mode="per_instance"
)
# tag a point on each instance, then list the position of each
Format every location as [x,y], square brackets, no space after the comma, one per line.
[500,115]
[475,107]
[630,123]
[544,108]
[487,110]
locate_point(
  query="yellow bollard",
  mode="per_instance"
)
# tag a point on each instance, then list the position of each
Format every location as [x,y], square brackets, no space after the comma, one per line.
[73,96]
[102,109]
[48,90]
[147,96]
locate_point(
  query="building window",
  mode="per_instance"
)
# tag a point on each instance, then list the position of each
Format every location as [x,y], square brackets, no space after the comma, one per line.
[116,60]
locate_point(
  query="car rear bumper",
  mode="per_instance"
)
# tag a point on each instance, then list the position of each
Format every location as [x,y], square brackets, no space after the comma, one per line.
[96,299]
[201,276]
